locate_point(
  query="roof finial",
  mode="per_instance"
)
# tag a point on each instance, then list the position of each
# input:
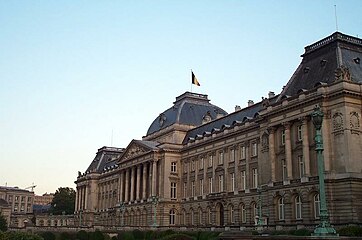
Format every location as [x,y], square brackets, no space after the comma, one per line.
[335,16]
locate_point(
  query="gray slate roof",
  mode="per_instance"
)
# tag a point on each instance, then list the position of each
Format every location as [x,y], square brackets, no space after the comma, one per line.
[105,158]
[321,60]
[188,109]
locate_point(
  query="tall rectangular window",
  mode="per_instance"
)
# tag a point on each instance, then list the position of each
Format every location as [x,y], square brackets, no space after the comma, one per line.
[201,165]
[173,190]
[221,183]
[193,188]
[284,170]
[298,207]
[254,149]
[243,180]
[211,160]
[210,185]
[283,137]
[201,182]
[255,177]
[232,178]
[299,133]
[301,166]
[242,152]
[193,165]
[221,157]
[185,167]
[232,155]
[173,167]
[185,189]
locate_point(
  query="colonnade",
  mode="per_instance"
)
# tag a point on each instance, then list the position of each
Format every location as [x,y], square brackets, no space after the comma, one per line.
[81,198]
[138,182]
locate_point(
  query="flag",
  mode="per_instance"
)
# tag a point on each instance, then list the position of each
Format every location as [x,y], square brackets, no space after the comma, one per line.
[194,79]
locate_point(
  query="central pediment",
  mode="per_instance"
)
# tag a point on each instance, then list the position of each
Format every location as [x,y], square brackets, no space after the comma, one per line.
[138,148]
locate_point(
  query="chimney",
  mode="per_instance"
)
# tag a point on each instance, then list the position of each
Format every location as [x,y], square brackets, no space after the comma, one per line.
[250,103]
[237,108]
[271,94]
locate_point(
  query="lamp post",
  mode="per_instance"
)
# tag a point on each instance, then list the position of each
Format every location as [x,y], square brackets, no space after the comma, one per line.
[324,228]
[154,200]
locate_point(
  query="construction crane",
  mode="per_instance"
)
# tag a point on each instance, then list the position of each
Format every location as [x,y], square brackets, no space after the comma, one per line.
[31,187]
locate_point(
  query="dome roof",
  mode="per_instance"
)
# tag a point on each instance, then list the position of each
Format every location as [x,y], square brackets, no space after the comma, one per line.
[189,109]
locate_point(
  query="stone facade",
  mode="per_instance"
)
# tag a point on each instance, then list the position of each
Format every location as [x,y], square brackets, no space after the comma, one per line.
[201,168]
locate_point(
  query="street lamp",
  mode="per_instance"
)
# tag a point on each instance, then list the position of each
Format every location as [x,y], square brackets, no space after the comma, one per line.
[154,200]
[324,228]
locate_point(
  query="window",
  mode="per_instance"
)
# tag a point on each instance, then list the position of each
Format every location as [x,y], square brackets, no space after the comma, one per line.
[283,137]
[243,180]
[173,190]
[231,212]
[192,188]
[221,183]
[172,217]
[301,166]
[201,182]
[299,133]
[281,208]
[193,165]
[185,189]
[185,167]
[255,210]
[209,216]
[173,167]
[317,206]
[243,213]
[211,160]
[254,149]
[23,199]
[202,163]
[232,155]
[200,216]
[242,152]
[298,207]
[232,178]
[16,198]
[192,217]
[255,177]
[210,185]
[284,170]
[221,157]
[183,216]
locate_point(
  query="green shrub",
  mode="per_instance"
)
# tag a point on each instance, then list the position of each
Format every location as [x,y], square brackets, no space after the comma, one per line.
[302,232]
[19,236]
[351,231]
[47,235]
[97,235]
[82,235]
[3,223]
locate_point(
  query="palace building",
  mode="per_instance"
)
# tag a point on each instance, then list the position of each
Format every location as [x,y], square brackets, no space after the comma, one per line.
[199,167]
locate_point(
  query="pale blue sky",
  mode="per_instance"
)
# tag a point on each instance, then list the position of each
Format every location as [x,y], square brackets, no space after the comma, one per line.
[71,71]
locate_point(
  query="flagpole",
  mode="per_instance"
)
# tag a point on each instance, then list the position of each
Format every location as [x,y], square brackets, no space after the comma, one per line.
[191,81]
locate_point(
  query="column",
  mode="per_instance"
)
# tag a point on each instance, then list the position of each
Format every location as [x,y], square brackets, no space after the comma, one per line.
[272,152]
[126,188]
[154,177]
[150,184]
[305,146]
[132,183]
[86,197]
[121,183]
[138,188]
[247,169]
[144,181]
[288,150]
[76,199]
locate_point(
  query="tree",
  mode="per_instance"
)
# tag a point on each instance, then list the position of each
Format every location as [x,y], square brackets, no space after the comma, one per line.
[63,201]
[3,223]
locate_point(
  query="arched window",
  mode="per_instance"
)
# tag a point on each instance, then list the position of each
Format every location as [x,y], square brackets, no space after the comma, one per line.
[243,213]
[209,216]
[317,206]
[281,208]
[192,217]
[183,218]
[172,217]
[298,207]
[200,217]
[231,214]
